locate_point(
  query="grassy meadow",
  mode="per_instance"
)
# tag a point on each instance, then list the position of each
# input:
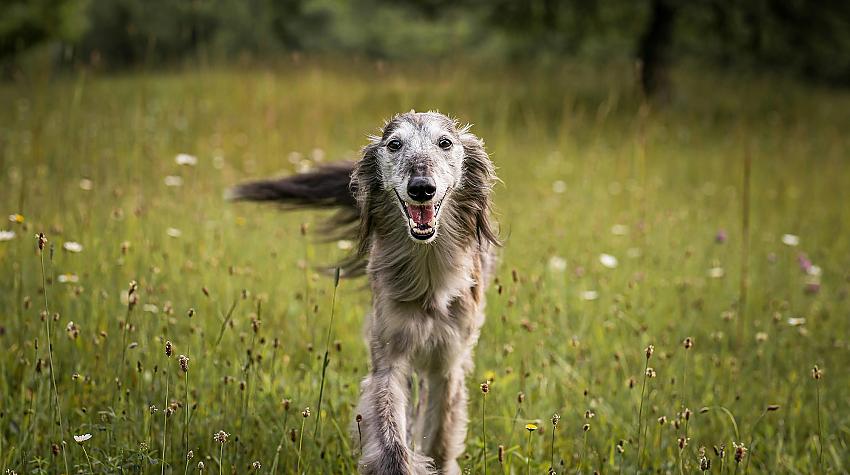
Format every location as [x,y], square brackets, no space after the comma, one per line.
[720,219]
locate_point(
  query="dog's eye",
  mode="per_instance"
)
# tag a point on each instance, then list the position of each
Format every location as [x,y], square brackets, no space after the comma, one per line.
[394,145]
[445,143]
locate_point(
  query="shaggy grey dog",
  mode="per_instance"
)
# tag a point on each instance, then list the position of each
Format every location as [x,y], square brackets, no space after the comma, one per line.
[418,202]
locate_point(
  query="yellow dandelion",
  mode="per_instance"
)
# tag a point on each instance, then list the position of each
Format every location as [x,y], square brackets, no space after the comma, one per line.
[16,218]
[531,427]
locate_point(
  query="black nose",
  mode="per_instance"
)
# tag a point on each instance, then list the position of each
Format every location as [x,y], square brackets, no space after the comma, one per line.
[421,188]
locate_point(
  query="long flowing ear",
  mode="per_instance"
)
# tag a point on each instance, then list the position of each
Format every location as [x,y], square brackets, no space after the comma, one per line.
[365,186]
[479,176]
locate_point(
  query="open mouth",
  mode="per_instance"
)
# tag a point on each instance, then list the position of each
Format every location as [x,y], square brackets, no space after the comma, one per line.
[421,218]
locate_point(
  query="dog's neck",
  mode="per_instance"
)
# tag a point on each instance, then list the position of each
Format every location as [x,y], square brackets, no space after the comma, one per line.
[429,275]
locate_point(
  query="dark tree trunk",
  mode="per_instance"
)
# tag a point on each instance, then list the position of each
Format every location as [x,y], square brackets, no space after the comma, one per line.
[654,49]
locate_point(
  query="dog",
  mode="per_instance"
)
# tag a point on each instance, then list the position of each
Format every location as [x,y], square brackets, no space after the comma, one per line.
[418,204]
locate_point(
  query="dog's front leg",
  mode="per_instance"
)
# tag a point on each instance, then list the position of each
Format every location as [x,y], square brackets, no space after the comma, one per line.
[383,406]
[446,418]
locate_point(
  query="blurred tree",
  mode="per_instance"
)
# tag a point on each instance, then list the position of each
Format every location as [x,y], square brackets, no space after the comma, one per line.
[654,49]
[27,23]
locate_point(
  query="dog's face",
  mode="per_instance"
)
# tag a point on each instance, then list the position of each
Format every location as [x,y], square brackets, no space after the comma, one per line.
[420,156]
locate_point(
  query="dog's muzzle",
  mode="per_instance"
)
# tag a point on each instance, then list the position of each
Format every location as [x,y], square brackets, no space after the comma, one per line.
[421,218]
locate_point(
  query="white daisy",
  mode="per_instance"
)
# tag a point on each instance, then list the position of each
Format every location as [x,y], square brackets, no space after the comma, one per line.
[796,321]
[150,308]
[608,260]
[68,278]
[7,235]
[558,186]
[557,263]
[186,159]
[590,295]
[790,240]
[82,438]
[72,246]
[619,230]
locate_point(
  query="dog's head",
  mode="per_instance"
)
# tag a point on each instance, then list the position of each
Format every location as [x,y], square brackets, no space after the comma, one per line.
[425,164]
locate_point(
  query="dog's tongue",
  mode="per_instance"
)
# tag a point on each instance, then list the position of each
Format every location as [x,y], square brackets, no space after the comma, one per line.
[421,214]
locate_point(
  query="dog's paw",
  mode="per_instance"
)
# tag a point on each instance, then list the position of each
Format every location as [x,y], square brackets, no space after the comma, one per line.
[422,465]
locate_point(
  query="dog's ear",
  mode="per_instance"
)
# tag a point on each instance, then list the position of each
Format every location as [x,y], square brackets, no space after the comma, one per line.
[479,176]
[365,186]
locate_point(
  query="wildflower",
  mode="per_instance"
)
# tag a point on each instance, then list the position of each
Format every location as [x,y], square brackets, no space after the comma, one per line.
[720,237]
[201,466]
[287,402]
[221,437]
[531,427]
[305,413]
[590,295]
[256,465]
[68,278]
[169,350]
[190,455]
[173,181]
[621,446]
[619,230]
[649,351]
[485,387]
[817,373]
[720,450]
[557,264]
[190,313]
[186,159]
[173,232]
[761,337]
[585,427]
[683,442]
[359,418]
[86,184]
[688,343]
[773,407]
[184,363]
[796,322]
[72,246]
[501,454]
[7,235]
[16,218]
[556,418]
[588,414]
[662,420]
[650,373]
[520,397]
[790,240]
[82,438]
[607,260]
[704,463]
[716,272]
[558,186]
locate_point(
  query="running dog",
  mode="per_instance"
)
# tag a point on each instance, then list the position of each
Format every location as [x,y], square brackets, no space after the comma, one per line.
[418,205]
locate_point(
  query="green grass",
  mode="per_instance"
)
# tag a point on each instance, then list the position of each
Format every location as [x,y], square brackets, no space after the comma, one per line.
[651,187]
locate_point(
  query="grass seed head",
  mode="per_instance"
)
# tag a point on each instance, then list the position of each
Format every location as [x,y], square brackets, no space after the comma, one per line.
[817,373]
[501,454]
[184,363]
[740,451]
[305,413]
[485,387]
[649,351]
[688,343]
[221,437]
